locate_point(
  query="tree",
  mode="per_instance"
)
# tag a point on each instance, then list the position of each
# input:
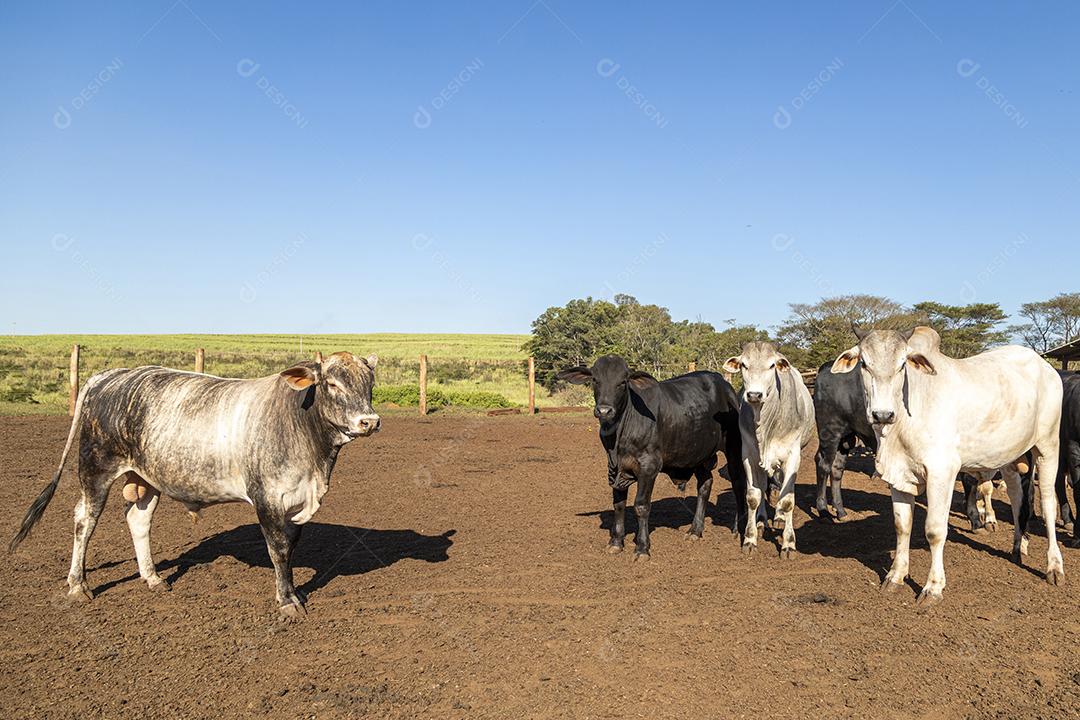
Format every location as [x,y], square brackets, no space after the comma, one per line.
[965,330]
[1050,322]
[815,333]
[645,335]
[571,335]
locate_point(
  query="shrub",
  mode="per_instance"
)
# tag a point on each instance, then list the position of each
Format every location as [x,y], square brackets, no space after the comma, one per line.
[409,396]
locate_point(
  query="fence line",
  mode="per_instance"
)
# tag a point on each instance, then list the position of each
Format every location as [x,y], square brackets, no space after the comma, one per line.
[200,364]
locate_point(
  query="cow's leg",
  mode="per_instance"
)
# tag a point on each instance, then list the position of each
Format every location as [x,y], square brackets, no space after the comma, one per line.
[95,492]
[281,537]
[823,465]
[1067,520]
[704,489]
[939,489]
[1017,499]
[986,492]
[139,515]
[902,505]
[737,475]
[1074,481]
[971,500]
[786,505]
[618,525]
[755,496]
[838,466]
[1046,465]
[642,506]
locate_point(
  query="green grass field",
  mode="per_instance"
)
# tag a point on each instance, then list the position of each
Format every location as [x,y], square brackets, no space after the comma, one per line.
[34,368]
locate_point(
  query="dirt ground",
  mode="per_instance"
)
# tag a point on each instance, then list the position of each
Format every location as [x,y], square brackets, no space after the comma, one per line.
[457,569]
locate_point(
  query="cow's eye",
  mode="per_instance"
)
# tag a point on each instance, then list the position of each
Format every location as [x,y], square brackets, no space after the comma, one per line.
[773,366]
[332,385]
[744,366]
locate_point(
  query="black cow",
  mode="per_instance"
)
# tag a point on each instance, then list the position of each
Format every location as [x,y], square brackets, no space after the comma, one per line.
[1069,459]
[676,427]
[840,410]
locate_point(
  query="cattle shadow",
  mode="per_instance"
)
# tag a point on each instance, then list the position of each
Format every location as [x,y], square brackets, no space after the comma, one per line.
[331,551]
[672,512]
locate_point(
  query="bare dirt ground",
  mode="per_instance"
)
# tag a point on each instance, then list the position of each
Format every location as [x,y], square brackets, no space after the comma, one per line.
[457,569]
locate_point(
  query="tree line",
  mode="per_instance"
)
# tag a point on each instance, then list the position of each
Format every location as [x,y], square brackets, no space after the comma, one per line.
[650,339]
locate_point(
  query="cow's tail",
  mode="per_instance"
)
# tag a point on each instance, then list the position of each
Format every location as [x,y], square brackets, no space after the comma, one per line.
[37,508]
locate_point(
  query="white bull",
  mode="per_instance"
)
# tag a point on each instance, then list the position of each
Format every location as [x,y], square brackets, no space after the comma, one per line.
[936,416]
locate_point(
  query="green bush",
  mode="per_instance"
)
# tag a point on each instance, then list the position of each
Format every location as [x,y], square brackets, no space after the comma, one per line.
[409,396]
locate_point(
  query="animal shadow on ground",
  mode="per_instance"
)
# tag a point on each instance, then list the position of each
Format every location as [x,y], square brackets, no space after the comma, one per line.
[330,550]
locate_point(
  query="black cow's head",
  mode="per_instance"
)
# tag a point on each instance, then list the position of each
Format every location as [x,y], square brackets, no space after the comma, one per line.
[339,389]
[612,381]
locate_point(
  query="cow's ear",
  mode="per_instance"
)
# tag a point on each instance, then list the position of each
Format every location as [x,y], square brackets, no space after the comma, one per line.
[639,380]
[577,375]
[847,360]
[782,363]
[733,364]
[300,377]
[372,361]
[920,362]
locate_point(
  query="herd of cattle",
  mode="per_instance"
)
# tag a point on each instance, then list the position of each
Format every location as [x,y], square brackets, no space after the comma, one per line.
[928,418]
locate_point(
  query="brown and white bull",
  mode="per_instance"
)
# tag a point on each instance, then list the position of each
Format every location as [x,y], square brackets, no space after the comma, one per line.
[936,416]
[776,422]
[271,442]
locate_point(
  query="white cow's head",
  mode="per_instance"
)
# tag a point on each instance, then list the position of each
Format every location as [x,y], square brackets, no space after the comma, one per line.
[883,358]
[759,364]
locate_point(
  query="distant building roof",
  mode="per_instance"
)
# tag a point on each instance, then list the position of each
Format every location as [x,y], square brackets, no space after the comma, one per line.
[1068,351]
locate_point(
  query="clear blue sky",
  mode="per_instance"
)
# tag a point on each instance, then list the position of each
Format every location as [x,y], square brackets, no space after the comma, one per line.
[185,165]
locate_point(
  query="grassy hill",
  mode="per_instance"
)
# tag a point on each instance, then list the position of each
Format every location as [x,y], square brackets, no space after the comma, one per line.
[34,368]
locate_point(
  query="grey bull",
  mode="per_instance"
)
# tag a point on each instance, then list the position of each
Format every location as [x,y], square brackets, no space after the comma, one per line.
[271,442]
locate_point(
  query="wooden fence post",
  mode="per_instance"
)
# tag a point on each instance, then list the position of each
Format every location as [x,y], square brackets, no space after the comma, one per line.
[532,386]
[423,384]
[73,379]
[200,360]
[692,366]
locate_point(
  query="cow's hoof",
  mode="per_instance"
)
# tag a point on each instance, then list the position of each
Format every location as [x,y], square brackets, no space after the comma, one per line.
[693,535]
[614,549]
[841,514]
[1068,527]
[1055,577]
[157,585]
[1016,556]
[788,554]
[641,557]
[748,549]
[80,594]
[890,586]
[292,611]
[991,526]
[928,598]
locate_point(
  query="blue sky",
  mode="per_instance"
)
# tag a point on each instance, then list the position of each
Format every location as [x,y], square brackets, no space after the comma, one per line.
[192,166]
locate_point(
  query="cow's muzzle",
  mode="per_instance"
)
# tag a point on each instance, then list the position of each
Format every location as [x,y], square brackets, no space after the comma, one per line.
[882,417]
[754,397]
[364,425]
[604,413]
